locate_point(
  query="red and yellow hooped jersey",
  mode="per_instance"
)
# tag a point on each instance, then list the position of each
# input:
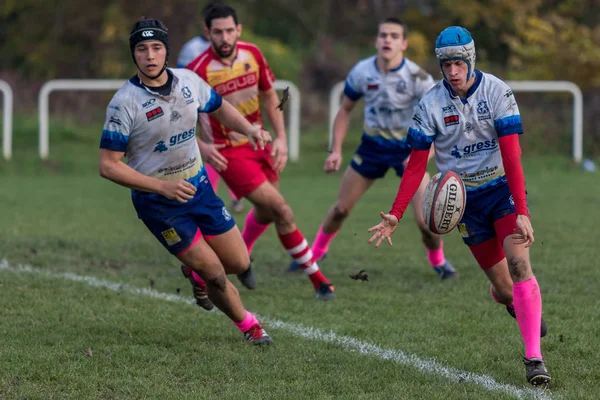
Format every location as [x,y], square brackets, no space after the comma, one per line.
[239,83]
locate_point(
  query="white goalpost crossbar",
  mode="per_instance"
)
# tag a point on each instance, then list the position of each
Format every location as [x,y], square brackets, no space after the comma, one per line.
[337,90]
[114,84]
[7,117]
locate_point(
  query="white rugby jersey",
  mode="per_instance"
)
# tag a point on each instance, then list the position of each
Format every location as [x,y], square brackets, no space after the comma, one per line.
[466,131]
[158,133]
[390,99]
[191,50]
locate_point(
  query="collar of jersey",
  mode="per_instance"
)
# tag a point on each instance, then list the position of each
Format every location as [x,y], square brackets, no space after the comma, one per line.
[217,58]
[472,89]
[391,70]
[135,80]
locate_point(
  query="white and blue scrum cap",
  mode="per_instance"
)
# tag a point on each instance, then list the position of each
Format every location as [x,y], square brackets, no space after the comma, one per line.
[456,43]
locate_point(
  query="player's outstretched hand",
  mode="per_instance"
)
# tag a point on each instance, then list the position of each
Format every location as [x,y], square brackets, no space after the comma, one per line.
[384,229]
[259,138]
[212,155]
[524,232]
[333,162]
[279,152]
[179,190]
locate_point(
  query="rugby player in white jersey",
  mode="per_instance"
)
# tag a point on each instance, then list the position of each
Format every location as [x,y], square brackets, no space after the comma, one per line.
[152,121]
[391,86]
[474,121]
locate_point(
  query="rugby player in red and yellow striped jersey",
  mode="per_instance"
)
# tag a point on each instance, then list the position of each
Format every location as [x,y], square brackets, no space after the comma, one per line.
[240,74]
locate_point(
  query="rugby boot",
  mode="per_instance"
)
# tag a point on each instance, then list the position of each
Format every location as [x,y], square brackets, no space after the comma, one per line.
[325,292]
[535,371]
[198,289]
[257,335]
[446,271]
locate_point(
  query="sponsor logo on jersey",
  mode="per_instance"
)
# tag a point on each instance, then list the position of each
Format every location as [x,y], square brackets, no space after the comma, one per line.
[160,147]
[451,109]
[148,103]
[468,127]
[372,86]
[482,148]
[418,119]
[115,120]
[451,120]
[154,114]
[235,84]
[175,141]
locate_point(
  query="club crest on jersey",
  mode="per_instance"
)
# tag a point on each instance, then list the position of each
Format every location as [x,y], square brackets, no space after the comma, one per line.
[187,93]
[401,86]
[154,114]
[468,127]
[247,67]
[451,120]
[483,111]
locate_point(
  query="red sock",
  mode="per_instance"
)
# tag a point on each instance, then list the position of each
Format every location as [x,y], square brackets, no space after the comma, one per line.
[297,247]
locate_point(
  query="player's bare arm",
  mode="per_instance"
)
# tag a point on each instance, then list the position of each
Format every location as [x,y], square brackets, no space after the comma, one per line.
[230,117]
[340,129]
[112,168]
[279,150]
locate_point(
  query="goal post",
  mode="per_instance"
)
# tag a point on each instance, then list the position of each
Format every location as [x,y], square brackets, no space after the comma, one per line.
[7,117]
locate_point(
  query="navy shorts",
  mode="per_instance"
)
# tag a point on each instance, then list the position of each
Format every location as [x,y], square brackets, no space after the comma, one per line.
[484,207]
[375,156]
[175,224]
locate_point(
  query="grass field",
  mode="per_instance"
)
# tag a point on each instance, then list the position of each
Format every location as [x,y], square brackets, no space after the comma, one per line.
[401,335]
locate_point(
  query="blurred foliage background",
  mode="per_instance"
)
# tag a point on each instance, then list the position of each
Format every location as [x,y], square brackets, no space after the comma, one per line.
[314,43]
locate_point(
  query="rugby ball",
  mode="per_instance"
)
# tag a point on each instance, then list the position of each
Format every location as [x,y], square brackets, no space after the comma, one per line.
[444,202]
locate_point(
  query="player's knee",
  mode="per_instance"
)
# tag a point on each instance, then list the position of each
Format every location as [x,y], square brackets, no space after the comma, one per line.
[340,213]
[217,281]
[282,213]
[517,267]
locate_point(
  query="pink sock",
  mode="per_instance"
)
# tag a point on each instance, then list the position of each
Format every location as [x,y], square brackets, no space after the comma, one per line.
[321,244]
[252,230]
[436,257]
[248,322]
[527,301]
[213,177]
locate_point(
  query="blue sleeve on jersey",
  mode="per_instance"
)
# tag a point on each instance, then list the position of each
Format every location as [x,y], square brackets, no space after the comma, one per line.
[351,93]
[508,125]
[112,140]
[213,104]
[418,140]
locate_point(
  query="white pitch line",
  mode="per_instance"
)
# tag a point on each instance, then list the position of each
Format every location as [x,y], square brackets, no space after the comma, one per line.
[399,357]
